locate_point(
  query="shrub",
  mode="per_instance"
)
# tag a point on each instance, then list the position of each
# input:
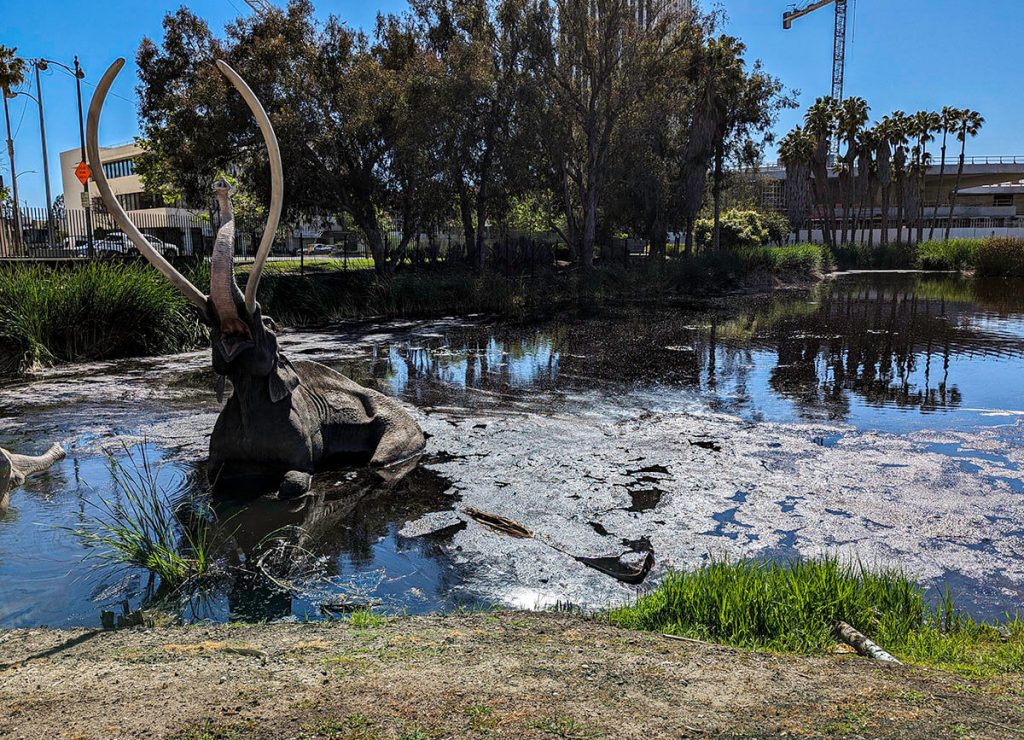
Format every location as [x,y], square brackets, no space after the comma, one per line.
[1000,257]
[100,310]
[955,254]
[744,229]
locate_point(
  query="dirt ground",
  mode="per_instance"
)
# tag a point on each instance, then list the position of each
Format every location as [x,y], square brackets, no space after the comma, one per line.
[502,674]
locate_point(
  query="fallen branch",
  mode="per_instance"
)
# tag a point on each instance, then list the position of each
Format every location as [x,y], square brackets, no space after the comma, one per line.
[862,644]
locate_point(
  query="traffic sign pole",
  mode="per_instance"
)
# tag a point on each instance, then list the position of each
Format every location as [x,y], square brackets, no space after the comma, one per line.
[79,74]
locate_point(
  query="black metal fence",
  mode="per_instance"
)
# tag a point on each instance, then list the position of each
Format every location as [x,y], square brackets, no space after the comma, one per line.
[65,236]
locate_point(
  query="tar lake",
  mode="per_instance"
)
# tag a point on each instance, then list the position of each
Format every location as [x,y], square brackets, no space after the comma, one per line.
[877,416]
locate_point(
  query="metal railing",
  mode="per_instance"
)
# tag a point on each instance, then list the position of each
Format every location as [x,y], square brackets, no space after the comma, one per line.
[64,236]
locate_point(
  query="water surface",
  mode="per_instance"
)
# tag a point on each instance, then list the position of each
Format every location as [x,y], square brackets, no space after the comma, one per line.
[887,353]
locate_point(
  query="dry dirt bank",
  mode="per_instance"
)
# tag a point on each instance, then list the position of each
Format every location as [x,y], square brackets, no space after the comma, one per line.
[507,674]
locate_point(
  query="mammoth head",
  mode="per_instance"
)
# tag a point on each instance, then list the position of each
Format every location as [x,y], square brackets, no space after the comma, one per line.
[243,343]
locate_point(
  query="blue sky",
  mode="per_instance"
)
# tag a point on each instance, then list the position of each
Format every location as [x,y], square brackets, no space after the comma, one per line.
[903,54]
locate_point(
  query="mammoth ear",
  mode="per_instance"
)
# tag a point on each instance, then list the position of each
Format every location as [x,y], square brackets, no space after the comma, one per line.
[283,380]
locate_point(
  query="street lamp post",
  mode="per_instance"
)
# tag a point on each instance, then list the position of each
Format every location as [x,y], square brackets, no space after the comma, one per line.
[40,64]
[79,74]
[14,177]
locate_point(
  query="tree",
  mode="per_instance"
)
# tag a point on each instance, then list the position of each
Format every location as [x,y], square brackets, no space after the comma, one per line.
[596,61]
[851,117]
[488,104]
[969,125]
[923,126]
[820,124]
[796,152]
[356,120]
[948,118]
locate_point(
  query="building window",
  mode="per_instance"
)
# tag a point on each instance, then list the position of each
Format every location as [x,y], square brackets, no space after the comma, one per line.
[1002,199]
[120,168]
[136,201]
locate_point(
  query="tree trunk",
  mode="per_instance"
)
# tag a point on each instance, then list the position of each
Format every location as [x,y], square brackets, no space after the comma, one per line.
[956,188]
[942,175]
[466,212]
[716,192]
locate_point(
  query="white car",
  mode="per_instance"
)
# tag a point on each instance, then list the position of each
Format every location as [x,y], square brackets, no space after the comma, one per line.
[117,242]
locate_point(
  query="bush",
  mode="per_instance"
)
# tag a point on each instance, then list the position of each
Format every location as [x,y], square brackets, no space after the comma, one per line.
[955,254]
[744,229]
[100,310]
[806,259]
[877,257]
[793,607]
[1000,257]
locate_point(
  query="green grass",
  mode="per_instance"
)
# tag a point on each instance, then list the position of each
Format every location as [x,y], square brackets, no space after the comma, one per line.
[792,607]
[100,310]
[988,257]
[137,528]
[1000,257]
[365,618]
[955,254]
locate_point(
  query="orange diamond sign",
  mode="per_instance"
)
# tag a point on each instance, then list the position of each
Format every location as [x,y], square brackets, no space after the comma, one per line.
[82,172]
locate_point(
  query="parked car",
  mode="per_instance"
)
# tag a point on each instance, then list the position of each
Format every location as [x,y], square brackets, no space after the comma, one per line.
[320,249]
[117,242]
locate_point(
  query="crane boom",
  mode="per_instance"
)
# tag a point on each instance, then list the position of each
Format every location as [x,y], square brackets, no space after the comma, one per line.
[261,7]
[839,40]
[791,15]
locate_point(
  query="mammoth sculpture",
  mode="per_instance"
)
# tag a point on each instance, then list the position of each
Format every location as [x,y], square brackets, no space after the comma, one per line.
[14,469]
[284,420]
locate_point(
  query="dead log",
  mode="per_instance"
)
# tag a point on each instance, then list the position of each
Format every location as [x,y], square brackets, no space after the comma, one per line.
[862,644]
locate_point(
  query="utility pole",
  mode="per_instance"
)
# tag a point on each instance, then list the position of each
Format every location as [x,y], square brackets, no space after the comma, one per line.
[87,199]
[79,74]
[40,64]
[14,172]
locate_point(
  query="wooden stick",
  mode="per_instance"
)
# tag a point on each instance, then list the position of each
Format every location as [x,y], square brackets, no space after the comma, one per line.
[862,644]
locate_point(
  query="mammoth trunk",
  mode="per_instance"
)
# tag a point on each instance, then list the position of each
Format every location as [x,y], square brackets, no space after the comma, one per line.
[223,289]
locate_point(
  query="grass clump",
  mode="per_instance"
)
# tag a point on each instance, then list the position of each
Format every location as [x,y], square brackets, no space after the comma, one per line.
[1000,257]
[792,607]
[138,528]
[952,255]
[99,310]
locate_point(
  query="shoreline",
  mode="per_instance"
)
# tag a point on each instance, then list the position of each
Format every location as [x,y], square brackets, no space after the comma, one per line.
[502,674]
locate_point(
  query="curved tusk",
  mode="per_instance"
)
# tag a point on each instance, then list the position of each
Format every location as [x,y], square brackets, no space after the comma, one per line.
[120,217]
[276,181]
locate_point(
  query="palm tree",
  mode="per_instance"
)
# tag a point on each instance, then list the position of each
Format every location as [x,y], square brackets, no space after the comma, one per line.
[898,130]
[865,183]
[883,170]
[820,124]
[12,74]
[950,118]
[851,116]
[796,152]
[923,126]
[969,125]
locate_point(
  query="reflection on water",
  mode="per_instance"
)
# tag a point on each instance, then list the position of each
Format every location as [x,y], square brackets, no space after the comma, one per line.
[887,352]
[340,545]
[882,352]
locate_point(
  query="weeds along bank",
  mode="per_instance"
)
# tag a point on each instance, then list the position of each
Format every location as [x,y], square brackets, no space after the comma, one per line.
[107,310]
[92,311]
[793,607]
[990,257]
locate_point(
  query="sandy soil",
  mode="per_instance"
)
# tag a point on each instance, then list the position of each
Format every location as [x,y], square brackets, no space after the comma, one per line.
[503,674]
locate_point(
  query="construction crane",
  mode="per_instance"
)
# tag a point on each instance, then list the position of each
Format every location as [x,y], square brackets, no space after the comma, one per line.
[839,44]
[261,7]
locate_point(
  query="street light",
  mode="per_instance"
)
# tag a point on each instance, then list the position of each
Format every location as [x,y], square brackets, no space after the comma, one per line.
[79,74]
[46,169]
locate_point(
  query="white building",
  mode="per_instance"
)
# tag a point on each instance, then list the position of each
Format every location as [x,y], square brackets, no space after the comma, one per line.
[177,226]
